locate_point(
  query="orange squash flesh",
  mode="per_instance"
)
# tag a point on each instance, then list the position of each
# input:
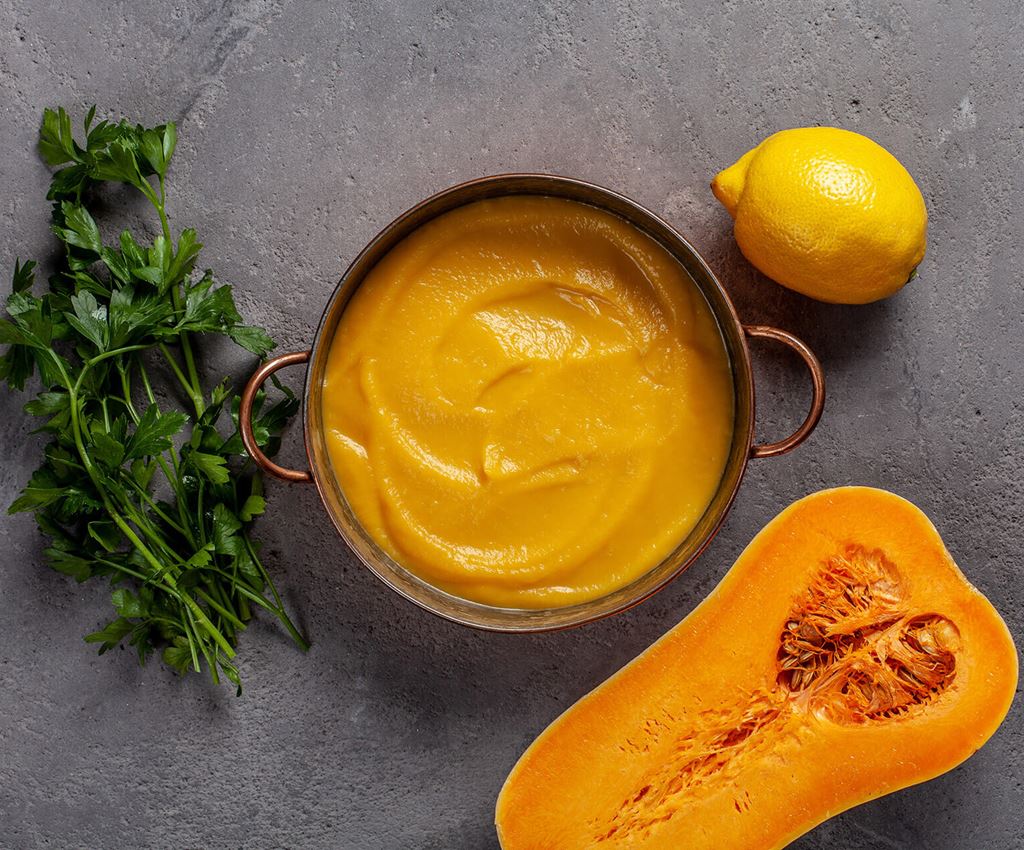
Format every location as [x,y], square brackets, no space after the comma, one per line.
[843,657]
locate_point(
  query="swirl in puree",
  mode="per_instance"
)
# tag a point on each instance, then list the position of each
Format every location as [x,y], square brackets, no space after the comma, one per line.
[528,402]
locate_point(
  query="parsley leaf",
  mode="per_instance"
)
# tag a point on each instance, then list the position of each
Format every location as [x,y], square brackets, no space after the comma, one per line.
[252,338]
[79,228]
[153,432]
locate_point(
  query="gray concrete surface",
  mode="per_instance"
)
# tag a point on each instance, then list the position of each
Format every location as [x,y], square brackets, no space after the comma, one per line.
[304,127]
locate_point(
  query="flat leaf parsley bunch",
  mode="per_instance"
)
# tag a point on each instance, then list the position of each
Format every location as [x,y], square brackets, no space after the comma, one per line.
[156,499]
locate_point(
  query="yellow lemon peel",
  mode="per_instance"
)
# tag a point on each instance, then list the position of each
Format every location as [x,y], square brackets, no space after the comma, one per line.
[826,212]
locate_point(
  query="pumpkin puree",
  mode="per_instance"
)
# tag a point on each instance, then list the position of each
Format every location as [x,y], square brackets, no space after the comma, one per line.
[528,402]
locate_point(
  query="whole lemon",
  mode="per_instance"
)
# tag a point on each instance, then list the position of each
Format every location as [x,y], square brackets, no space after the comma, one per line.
[826,212]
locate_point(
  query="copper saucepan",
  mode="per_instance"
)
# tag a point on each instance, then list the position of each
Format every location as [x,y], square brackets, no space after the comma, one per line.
[489,617]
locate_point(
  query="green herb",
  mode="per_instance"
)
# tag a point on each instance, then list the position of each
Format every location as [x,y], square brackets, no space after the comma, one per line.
[156,499]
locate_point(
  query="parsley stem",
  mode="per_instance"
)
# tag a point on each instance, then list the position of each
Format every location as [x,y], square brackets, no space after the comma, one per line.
[253,596]
[126,398]
[190,363]
[220,609]
[126,390]
[146,385]
[173,591]
[153,506]
[280,612]
[203,648]
[145,525]
[199,510]
[76,430]
[115,515]
[92,361]
[223,596]
[183,337]
[160,204]
[114,352]
[173,480]
[236,583]
[194,395]
[211,629]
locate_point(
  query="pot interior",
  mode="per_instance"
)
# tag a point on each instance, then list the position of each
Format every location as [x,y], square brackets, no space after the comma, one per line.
[516,619]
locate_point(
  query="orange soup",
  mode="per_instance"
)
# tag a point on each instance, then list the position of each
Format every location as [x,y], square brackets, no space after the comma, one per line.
[528,402]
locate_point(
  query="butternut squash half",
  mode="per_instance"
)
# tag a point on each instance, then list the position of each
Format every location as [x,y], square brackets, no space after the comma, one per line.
[844,656]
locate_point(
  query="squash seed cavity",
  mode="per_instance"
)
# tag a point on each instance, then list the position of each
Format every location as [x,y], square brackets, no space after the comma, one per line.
[851,651]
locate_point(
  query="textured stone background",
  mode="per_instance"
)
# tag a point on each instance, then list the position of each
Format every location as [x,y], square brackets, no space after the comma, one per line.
[304,127]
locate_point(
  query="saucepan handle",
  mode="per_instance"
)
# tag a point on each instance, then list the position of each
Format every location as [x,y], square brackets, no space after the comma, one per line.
[245,415]
[817,390]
